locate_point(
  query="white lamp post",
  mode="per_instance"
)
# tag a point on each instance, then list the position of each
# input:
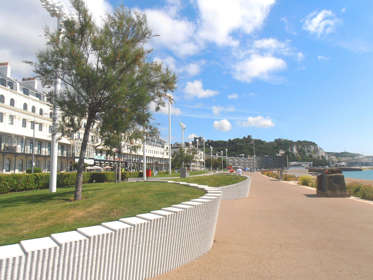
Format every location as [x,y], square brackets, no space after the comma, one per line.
[183,127]
[204,161]
[211,148]
[226,157]
[170,101]
[55,9]
[144,159]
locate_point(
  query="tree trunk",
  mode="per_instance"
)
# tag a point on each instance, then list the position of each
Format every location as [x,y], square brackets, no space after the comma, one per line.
[83,148]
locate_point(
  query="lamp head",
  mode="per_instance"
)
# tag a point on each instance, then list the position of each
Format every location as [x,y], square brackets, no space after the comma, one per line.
[183,126]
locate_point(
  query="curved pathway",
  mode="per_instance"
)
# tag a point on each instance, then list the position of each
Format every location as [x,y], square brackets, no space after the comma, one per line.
[282,231]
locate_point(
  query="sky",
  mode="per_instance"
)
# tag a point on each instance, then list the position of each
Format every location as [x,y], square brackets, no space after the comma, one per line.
[300,70]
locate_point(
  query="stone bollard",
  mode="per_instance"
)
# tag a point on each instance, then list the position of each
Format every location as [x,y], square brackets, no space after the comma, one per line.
[331,183]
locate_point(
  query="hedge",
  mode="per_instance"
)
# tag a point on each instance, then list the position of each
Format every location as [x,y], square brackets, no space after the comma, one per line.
[36,181]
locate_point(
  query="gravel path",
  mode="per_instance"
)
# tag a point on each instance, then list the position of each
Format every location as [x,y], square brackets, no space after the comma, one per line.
[284,231]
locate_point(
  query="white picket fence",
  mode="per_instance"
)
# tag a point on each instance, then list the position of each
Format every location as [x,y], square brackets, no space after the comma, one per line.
[132,248]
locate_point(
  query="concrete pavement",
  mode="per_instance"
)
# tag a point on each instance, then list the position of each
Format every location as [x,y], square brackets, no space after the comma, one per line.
[284,231]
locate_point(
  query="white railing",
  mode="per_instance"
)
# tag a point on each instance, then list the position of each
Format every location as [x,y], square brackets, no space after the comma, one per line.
[131,248]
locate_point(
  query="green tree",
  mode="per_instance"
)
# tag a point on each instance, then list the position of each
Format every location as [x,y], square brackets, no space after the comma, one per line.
[104,70]
[182,156]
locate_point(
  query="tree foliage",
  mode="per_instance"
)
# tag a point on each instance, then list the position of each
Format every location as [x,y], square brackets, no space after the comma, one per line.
[107,76]
[305,150]
[180,156]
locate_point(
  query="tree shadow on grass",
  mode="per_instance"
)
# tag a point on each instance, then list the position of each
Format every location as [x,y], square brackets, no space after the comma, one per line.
[28,198]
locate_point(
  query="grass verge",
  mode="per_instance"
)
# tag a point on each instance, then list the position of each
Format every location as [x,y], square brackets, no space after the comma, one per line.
[39,213]
[217,180]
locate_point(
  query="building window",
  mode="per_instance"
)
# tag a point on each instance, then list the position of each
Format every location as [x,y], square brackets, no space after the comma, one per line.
[10,85]
[3,82]
[11,119]
[51,114]
[39,148]
[29,164]
[2,99]
[33,109]
[49,150]
[26,91]
[40,127]
[32,125]
[8,164]
[1,117]
[11,102]
[50,129]
[31,146]
[20,165]
[22,145]
[40,111]
[24,122]
[37,163]
[24,106]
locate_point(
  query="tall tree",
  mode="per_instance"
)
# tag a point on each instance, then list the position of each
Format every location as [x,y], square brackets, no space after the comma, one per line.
[104,70]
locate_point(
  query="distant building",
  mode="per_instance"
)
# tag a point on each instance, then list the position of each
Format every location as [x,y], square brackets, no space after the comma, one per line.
[26,125]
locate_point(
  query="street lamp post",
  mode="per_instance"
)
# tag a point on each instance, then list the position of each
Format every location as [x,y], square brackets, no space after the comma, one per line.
[33,147]
[204,160]
[211,148]
[254,155]
[55,9]
[222,162]
[170,101]
[183,127]
[226,157]
[144,159]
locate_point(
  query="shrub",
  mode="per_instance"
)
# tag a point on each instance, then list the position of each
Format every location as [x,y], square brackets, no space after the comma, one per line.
[307,181]
[360,190]
[100,177]
[289,177]
[24,182]
[36,170]
[271,174]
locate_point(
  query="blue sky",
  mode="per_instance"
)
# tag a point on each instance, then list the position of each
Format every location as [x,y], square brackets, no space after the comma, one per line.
[299,70]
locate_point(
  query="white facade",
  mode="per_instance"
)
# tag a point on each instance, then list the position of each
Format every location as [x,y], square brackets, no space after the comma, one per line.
[25,125]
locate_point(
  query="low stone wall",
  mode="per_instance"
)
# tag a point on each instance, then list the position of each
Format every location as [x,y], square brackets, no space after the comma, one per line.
[132,248]
[236,191]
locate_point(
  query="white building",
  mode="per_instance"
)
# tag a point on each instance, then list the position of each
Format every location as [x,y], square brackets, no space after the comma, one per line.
[198,159]
[25,127]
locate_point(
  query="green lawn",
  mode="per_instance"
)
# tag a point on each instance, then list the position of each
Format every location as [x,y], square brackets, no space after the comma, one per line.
[217,180]
[34,214]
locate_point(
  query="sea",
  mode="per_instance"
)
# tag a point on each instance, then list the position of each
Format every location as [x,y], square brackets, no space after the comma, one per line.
[365,174]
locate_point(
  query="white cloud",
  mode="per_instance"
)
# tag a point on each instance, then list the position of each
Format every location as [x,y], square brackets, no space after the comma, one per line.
[320,23]
[220,18]
[195,89]
[175,33]
[322,58]
[22,30]
[343,10]
[258,66]
[216,110]
[233,96]
[192,69]
[300,56]
[164,109]
[258,121]
[168,61]
[223,125]
[192,136]
[270,44]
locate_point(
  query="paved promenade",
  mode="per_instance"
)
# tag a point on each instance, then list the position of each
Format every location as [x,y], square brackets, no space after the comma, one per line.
[285,232]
